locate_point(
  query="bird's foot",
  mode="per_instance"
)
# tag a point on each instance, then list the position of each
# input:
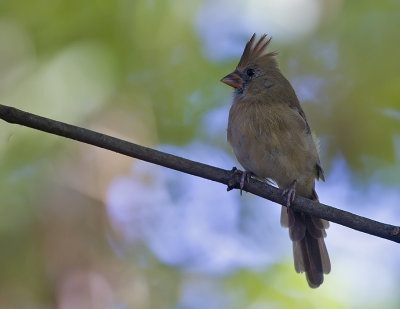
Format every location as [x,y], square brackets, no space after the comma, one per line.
[290,194]
[244,177]
[232,183]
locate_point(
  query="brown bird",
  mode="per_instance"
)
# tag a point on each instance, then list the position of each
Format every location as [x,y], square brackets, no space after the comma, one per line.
[271,138]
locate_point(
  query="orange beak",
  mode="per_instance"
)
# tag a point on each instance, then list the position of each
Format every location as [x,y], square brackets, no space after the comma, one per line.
[233,80]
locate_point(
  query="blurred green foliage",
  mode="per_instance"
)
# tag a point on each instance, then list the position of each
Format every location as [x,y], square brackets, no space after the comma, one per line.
[86,62]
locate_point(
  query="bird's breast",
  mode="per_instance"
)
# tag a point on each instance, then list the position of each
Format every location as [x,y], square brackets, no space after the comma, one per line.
[269,144]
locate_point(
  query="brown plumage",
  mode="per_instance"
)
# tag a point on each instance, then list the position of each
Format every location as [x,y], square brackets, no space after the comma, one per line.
[271,138]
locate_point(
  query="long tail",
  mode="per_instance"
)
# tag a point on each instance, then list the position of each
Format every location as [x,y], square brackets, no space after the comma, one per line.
[309,251]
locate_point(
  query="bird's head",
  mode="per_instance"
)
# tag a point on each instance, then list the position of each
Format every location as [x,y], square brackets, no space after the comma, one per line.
[254,65]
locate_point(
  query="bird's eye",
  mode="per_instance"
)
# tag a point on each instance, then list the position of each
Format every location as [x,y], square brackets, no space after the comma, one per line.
[250,72]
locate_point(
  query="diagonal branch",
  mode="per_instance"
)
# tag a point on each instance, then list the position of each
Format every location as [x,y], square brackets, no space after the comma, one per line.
[362,224]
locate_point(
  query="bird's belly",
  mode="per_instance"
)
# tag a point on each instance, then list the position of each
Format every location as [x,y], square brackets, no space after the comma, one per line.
[272,158]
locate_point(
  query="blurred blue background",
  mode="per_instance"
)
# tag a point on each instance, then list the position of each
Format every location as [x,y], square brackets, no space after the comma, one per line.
[82,227]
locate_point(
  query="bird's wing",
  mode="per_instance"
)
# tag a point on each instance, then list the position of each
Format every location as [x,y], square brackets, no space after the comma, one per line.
[302,119]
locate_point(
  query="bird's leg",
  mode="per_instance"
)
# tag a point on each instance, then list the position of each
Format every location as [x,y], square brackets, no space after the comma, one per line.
[244,177]
[290,194]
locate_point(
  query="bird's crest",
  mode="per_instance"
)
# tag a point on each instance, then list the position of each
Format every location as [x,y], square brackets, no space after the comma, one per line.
[252,53]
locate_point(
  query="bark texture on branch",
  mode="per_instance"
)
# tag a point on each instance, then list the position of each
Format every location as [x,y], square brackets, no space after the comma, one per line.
[227,177]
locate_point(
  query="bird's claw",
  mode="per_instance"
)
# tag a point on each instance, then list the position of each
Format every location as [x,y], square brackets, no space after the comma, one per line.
[244,177]
[290,194]
[232,181]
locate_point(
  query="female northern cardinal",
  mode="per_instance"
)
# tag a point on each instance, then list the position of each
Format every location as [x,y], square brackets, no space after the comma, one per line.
[271,138]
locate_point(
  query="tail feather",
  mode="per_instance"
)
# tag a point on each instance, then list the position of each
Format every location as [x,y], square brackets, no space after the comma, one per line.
[314,229]
[297,231]
[312,261]
[298,261]
[326,263]
[320,223]
[309,250]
